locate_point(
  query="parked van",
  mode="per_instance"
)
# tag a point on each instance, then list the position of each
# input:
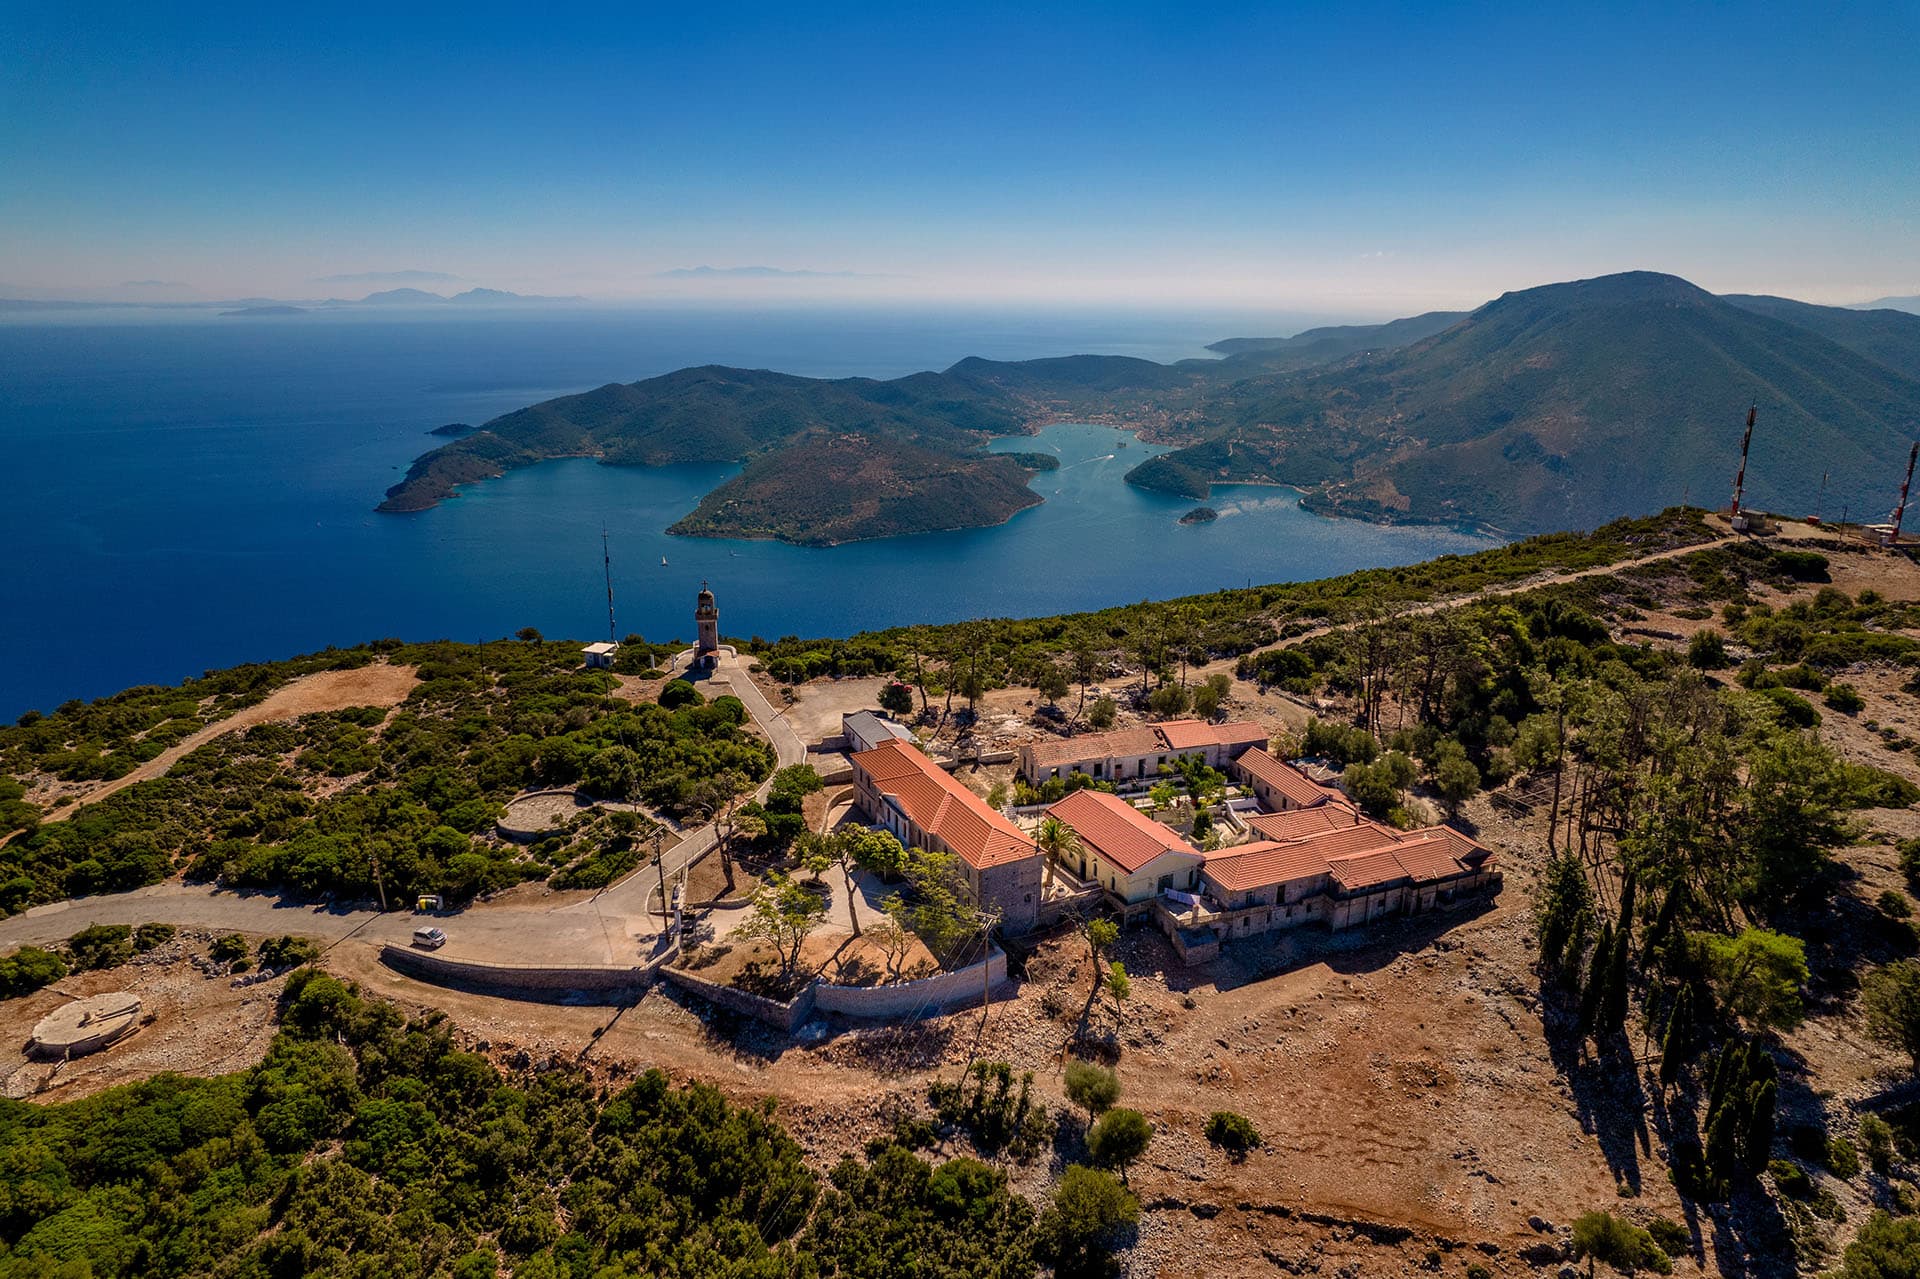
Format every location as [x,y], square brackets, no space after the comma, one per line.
[429,938]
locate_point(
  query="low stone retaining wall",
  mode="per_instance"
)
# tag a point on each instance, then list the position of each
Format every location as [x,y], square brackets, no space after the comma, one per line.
[909,998]
[900,999]
[782,1017]
[526,981]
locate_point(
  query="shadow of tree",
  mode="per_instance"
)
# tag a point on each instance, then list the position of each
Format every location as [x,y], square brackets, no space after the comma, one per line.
[1607,1095]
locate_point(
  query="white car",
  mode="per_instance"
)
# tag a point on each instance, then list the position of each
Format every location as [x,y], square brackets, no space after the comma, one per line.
[429,938]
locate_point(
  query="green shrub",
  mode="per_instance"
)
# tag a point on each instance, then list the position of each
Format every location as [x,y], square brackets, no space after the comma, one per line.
[1618,1243]
[1806,566]
[1671,1236]
[287,952]
[1791,1179]
[1845,698]
[1894,904]
[1884,1248]
[1233,1133]
[1876,1135]
[1794,709]
[148,936]
[101,946]
[1842,1160]
[27,970]
[227,949]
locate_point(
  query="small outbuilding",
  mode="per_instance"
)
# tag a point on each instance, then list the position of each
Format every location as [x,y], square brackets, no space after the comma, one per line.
[600,656]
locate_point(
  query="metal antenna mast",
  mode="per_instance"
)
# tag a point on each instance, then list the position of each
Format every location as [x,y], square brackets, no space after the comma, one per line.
[607,554]
[1740,479]
[1893,538]
[1820,505]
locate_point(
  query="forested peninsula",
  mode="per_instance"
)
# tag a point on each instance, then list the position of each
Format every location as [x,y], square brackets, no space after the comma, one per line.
[1568,404]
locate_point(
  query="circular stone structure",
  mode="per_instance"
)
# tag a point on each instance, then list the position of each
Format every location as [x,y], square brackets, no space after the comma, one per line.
[86,1025]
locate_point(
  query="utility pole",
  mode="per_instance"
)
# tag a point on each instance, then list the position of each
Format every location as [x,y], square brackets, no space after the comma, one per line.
[1820,506]
[1899,512]
[660,865]
[379,883]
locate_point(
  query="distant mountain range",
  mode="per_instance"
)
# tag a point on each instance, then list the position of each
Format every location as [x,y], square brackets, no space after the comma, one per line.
[1910,304]
[1555,407]
[277,306]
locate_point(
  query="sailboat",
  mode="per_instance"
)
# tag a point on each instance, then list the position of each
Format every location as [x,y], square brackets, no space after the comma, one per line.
[663,561]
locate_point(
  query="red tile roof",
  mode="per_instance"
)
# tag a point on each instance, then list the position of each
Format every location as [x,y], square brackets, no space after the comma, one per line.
[1174,736]
[1292,784]
[1118,831]
[1265,862]
[1356,855]
[1297,823]
[943,806]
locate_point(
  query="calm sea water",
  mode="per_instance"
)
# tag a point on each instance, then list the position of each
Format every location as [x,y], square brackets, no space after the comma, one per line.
[188,492]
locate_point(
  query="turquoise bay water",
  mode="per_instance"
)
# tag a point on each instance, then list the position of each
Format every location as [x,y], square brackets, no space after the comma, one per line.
[186,495]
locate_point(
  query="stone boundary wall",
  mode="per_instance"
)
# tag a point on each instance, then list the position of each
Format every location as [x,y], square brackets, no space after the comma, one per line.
[524,980]
[771,1012]
[911,998]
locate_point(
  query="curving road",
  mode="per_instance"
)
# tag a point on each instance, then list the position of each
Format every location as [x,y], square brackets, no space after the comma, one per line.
[611,927]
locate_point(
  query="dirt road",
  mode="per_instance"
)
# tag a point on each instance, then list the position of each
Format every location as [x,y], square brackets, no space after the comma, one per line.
[377,685]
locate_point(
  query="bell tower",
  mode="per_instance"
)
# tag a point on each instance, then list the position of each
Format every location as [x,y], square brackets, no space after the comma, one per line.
[706,622]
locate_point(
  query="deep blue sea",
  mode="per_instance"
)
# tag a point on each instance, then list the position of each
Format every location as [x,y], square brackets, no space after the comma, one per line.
[186,491]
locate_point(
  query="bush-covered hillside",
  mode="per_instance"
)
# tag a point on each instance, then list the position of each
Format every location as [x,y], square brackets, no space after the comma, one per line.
[368,1144]
[349,801]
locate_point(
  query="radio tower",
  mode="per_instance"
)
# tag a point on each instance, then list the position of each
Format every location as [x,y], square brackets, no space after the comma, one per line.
[1893,536]
[1740,478]
[607,554]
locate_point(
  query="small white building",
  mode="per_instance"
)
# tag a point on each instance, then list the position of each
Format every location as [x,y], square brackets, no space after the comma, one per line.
[865,730]
[600,656]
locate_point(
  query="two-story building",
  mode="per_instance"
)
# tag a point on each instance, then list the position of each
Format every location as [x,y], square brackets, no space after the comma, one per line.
[897,788]
[1127,754]
[1130,855]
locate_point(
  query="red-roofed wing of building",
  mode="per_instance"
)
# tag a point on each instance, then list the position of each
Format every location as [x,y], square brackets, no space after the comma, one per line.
[942,806]
[1281,784]
[1117,830]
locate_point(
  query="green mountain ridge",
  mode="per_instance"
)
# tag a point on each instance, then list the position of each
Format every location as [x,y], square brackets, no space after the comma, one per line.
[1567,404]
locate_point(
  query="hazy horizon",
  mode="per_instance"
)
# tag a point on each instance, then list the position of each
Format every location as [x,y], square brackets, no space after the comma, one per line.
[1380,161]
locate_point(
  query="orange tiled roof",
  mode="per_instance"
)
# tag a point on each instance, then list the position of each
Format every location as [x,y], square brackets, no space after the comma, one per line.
[1174,736]
[1117,830]
[1285,778]
[1072,750]
[1298,823]
[943,806]
[1266,862]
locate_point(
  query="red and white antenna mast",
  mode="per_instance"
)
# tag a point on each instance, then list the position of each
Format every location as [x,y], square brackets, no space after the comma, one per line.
[1740,479]
[1893,536]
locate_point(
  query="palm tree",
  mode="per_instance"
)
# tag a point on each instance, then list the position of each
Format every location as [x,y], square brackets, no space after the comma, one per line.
[1058,841]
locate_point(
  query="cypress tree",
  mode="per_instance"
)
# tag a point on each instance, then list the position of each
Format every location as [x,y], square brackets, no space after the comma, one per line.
[1673,1046]
[1723,1149]
[1670,905]
[1625,924]
[1595,990]
[1613,1004]
[1756,1137]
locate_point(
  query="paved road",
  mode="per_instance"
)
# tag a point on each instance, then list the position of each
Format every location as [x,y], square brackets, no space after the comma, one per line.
[610,927]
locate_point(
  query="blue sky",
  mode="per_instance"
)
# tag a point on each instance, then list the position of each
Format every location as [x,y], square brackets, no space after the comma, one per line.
[1363,157]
